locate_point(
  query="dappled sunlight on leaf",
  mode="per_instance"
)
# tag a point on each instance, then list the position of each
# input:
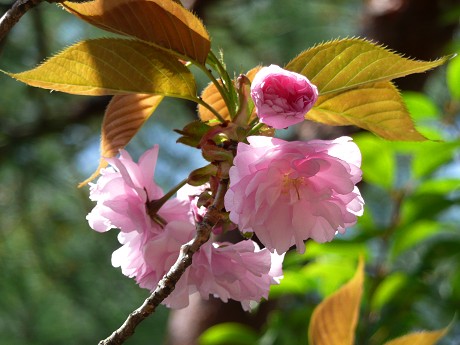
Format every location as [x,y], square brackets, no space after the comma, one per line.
[163,23]
[341,65]
[376,107]
[112,66]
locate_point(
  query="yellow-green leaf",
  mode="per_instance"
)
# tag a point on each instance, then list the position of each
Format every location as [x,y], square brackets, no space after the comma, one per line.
[341,65]
[109,66]
[123,117]
[419,338]
[334,321]
[164,23]
[377,107]
[213,97]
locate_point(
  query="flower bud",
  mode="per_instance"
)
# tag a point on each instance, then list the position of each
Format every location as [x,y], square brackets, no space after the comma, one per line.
[282,98]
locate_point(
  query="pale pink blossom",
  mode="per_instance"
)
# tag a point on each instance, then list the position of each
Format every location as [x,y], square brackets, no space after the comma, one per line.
[149,248]
[282,98]
[287,192]
[242,271]
[122,191]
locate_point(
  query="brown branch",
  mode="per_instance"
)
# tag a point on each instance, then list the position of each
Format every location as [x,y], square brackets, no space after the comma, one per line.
[19,8]
[12,16]
[169,280]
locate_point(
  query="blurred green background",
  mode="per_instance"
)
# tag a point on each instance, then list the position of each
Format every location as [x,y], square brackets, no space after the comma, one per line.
[57,284]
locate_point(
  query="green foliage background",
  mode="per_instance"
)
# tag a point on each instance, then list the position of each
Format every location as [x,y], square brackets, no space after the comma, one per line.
[57,284]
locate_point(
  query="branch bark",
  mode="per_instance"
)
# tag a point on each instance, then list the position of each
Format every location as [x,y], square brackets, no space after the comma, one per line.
[169,280]
[12,16]
[17,10]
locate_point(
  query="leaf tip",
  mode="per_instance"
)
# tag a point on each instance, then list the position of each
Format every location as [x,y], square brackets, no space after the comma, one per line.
[102,164]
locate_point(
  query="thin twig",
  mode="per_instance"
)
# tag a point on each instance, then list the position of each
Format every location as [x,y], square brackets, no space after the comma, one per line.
[169,280]
[12,16]
[17,10]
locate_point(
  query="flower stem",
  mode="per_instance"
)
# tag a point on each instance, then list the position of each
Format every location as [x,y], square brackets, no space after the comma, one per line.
[154,206]
[255,129]
[211,109]
[170,279]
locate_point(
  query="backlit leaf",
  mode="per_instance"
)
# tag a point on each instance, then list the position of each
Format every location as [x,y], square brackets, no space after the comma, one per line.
[420,106]
[124,116]
[213,97]
[453,77]
[419,338]
[376,107]
[229,333]
[164,23]
[348,63]
[334,321]
[379,162]
[110,66]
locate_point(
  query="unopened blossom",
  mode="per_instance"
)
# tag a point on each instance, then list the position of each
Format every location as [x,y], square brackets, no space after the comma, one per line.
[287,192]
[282,98]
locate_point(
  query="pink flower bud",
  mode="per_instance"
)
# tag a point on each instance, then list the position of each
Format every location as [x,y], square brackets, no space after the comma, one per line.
[287,192]
[282,98]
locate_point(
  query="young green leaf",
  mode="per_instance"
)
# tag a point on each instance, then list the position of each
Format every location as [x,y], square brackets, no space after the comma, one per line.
[453,78]
[376,107]
[123,117]
[229,333]
[334,321]
[109,66]
[345,64]
[166,24]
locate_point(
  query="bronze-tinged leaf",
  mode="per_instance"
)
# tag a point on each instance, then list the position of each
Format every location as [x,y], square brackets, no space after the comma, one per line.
[213,97]
[123,118]
[164,23]
[341,65]
[420,338]
[109,66]
[334,320]
[377,107]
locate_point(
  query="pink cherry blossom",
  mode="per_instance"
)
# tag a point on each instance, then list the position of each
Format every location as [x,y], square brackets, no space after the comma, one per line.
[282,98]
[122,192]
[287,192]
[240,271]
[149,248]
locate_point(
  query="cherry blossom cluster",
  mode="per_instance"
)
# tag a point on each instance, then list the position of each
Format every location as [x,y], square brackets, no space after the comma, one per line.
[283,192]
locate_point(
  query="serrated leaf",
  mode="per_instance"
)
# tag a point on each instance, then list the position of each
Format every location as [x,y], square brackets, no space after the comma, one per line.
[123,118]
[166,24]
[419,338]
[376,107]
[109,66]
[213,97]
[345,64]
[334,321]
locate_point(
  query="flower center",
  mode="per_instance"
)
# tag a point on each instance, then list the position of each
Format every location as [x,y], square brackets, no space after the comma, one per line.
[290,183]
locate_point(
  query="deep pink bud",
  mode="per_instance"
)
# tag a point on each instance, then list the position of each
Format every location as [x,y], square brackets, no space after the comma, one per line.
[282,98]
